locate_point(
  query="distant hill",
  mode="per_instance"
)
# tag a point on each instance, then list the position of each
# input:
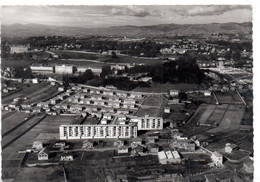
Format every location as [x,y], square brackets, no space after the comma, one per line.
[20,30]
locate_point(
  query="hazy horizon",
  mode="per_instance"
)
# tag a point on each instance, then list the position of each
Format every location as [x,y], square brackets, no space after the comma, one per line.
[111,16]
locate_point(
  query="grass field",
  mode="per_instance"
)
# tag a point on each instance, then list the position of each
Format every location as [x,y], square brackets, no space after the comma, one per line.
[16,62]
[67,54]
[128,59]
[231,119]
[152,106]
[227,117]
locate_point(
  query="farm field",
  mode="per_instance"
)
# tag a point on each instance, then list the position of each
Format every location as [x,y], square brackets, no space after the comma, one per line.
[49,125]
[33,93]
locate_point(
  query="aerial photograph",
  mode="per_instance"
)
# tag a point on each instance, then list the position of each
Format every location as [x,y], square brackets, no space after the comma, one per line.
[125,93]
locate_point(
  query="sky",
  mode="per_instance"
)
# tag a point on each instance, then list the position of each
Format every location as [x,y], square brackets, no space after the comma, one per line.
[106,16]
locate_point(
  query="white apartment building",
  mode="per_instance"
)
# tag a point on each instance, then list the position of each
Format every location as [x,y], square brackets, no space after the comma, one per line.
[70,132]
[149,123]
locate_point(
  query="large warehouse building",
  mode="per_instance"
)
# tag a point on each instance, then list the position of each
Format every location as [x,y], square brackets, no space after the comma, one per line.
[97,131]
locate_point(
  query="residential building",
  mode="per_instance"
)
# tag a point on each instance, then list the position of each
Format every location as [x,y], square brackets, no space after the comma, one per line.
[70,132]
[43,154]
[174,93]
[217,159]
[149,123]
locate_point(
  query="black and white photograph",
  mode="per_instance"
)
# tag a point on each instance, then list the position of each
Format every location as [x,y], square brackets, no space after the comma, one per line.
[125,93]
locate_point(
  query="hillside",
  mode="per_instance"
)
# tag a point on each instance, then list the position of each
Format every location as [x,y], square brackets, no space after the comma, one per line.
[20,30]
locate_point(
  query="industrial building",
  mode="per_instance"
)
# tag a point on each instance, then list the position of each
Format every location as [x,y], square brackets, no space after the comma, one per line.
[65,69]
[97,131]
[95,71]
[42,69]
[169,157]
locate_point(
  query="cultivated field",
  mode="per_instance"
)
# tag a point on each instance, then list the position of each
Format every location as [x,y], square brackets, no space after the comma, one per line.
[49,125]
[33,93]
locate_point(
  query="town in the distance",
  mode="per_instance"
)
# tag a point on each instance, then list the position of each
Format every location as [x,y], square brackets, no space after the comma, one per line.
[127,107]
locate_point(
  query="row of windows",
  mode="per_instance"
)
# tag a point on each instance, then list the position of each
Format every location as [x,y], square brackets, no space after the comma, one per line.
[97,131]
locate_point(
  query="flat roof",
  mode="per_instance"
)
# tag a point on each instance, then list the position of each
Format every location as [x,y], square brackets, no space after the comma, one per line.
[176,155]
[169,154]
[161,155]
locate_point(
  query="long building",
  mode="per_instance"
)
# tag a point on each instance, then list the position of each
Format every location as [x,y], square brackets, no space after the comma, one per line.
[65,69]
[42,69]
[69,132]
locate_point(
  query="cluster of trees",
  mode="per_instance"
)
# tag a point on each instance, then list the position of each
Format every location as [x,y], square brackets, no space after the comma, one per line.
[83,78]
[177,72]
[21,72]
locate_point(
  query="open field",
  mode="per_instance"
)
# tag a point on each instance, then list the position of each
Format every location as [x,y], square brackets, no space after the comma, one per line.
[12,120]
[5,62]
[33,93]
[69,54]
[152,106]
[128,59]
[228,98]
[49,125]
[225,117]
[231,119]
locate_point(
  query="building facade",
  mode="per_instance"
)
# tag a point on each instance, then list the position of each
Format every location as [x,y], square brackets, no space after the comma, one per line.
[149,123]
[19,49]
[65,69]
[41,69]
[68,132]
